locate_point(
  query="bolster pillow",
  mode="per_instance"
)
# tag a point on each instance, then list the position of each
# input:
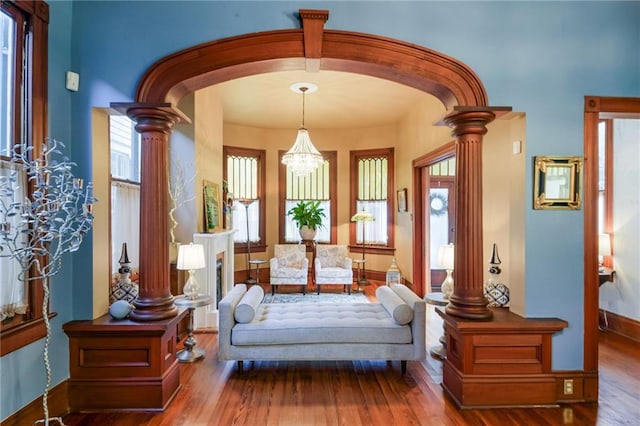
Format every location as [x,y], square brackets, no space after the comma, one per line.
[394,305]
[246,308]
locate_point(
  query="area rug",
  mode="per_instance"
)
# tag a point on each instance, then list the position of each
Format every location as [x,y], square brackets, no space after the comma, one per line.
[315,298]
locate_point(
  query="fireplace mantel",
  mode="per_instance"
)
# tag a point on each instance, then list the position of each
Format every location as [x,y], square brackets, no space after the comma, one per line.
[217,245]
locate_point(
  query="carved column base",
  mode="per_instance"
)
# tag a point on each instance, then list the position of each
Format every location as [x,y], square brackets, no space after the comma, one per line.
[153,309]
[472,308]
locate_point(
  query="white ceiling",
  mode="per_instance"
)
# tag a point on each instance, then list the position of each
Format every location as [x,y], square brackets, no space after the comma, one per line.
[343,100]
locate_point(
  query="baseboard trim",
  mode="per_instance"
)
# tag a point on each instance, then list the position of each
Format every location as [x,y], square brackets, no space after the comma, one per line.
[584,385]
[58,401]
[619,324]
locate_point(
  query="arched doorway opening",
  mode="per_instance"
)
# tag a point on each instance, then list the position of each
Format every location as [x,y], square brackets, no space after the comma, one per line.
[313,49]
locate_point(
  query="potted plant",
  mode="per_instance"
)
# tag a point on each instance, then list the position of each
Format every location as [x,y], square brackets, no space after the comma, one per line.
[308,216]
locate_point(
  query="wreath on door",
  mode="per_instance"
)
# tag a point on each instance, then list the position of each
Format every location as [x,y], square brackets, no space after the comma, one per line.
[438,204]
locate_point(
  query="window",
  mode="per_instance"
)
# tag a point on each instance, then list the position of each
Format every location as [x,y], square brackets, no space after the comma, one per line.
[124,144]
[244,173]
[319,185]
[372,188]
[23,119]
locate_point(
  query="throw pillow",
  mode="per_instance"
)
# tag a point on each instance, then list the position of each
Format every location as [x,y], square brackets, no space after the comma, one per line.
[394,305]
[246,308]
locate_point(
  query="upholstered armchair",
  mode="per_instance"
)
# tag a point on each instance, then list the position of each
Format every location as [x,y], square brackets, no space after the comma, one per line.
[333,266]
[289,266]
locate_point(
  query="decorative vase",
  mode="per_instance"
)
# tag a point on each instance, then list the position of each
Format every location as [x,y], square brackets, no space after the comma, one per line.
[124,289]
[307,233]
[495,291]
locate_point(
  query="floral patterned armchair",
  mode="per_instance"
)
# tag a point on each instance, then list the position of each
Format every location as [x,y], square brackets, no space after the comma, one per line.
[289,266]
[333,266]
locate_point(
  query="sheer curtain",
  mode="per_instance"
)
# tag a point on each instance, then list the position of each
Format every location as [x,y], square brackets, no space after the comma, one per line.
[13,299]
[125,222]
[240,213]
[375,231]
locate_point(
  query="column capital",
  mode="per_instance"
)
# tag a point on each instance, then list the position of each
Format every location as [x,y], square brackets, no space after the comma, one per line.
[471,120]
[152,117]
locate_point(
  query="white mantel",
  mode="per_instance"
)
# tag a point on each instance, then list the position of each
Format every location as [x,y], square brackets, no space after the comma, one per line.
[215,244]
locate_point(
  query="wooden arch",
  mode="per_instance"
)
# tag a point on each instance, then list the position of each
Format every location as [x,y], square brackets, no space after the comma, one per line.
[310,48]
[176,75]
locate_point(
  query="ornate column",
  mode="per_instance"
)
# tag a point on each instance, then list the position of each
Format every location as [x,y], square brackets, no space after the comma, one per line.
[468,126]
[154,122]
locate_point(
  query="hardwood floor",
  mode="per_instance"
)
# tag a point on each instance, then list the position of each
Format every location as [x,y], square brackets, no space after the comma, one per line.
[366,393]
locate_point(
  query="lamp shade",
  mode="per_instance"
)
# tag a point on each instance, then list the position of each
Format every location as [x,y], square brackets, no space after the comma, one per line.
[191,257]
[362,216]
[445,256]
[604,245]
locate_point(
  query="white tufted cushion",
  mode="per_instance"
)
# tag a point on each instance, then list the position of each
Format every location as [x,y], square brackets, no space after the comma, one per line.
[294,323]
[397,308]
[246,308]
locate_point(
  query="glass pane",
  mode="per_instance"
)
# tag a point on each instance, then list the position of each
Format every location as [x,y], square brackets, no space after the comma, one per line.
[375,232]
[7,78]
[438,222]
[125,148]
[291,234]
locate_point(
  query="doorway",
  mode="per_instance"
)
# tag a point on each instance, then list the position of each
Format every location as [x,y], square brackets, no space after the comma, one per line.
[596,109]
[427,274]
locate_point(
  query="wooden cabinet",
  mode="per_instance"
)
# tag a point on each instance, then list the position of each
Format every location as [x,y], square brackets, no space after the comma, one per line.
[121,364]
[499,362]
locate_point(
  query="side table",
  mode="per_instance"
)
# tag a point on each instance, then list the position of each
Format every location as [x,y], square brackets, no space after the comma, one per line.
[255,263]
[360,278]
[190,353]
[438,351]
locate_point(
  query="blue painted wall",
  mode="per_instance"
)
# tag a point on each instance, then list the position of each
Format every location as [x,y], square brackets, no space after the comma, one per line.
[541,58]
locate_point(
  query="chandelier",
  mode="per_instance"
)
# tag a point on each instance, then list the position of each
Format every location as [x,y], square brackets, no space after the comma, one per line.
[303,157]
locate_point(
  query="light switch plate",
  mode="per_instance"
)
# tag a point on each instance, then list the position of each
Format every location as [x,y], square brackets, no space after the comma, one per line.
[73,81]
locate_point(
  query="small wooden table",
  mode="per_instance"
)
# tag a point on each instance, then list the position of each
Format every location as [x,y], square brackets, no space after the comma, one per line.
[255,263]
[190,353]
[438,351]
[361,280]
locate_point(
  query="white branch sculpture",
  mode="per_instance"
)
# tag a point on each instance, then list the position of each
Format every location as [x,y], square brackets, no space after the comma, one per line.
[54,217]
[177,186]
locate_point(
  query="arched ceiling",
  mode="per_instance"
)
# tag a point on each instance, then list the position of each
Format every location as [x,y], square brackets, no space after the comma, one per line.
[343,100]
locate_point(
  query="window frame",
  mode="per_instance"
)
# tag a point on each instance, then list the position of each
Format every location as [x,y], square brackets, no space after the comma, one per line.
[332,158]
[260,155]
[23,330]
[355,156]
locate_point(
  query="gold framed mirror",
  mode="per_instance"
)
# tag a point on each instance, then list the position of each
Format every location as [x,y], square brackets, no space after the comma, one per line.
[557,183]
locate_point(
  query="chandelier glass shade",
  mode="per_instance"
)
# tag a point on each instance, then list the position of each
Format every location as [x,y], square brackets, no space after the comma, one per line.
[303,157]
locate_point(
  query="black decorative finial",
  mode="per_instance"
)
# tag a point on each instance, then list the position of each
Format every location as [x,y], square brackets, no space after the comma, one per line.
[495,261]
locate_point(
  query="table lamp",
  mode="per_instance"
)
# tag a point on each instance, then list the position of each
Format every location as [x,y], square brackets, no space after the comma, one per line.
[190,258]
[445,261]
[604,249]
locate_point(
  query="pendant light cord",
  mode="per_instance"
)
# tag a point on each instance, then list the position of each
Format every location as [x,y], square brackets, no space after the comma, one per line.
[303,90]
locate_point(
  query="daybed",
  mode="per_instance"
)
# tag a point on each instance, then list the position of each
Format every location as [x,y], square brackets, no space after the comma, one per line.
[393,329]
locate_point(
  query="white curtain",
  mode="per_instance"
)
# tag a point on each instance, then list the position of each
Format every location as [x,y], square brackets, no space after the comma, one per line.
[12,291]
[375,231]
[125,222]
[240,213]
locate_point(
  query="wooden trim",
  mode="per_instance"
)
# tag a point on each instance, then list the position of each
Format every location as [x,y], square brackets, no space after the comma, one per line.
[183,72]
[58,402]
[261,155]
[595,108]
[37,13]
[583,386]
[421,184]
[354,157]
[332,157]
[23,334]
[619,324]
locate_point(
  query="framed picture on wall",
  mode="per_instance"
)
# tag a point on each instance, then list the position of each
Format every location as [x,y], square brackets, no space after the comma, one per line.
[557,183]
[212,203]
[402,199]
